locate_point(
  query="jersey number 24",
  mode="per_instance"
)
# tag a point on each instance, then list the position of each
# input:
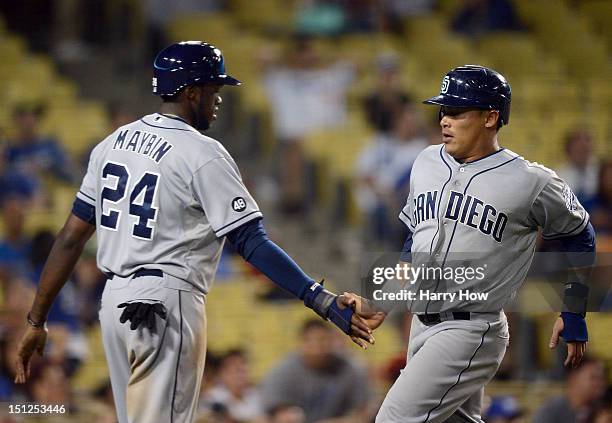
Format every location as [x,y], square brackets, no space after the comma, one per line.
[141,199]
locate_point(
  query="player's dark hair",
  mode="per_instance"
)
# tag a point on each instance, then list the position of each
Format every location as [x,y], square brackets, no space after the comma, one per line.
[571,136]
[232,353]
[313,324]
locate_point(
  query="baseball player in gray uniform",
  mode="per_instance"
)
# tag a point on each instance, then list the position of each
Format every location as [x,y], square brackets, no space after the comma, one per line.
[475,204]
[162,198]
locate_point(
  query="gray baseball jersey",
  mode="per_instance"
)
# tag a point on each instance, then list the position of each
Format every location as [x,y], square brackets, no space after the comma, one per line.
[165,195]
[461,215]
[484,214]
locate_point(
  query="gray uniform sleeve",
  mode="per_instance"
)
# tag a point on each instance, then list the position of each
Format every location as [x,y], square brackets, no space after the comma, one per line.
[87,191]
[557,210]
[406,213]
[218,187]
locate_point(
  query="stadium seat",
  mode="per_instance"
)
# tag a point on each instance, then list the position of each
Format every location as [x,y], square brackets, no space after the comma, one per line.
[212,27]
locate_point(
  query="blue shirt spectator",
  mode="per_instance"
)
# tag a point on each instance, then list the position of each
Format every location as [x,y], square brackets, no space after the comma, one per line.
[14,247]
[66,306]
[478,17]
[32,154]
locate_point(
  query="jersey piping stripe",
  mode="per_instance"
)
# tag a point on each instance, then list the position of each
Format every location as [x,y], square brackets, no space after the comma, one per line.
[483,157]
[407,217]
[450,175]
[461,372]
[236,221]
[165,127]
[464,191]
[178,360]
[456,222]
[91,198]
[175,118]
[563,234]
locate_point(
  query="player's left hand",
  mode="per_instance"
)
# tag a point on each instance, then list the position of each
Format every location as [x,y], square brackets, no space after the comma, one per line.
[34,339]
[575,348]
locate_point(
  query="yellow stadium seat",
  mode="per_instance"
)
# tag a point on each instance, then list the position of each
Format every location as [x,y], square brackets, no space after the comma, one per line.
[268,15]
[210,27]
[77,126]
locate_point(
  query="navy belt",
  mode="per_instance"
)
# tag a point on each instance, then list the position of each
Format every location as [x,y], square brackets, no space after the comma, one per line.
[142,272]
[435,318]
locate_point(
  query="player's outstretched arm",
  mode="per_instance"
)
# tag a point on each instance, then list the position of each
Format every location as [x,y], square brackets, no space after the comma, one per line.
[571,324]
[252,243]
[60,264]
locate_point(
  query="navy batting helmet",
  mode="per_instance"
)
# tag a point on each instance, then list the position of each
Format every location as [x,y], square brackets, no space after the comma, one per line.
[188,63]
[475,87]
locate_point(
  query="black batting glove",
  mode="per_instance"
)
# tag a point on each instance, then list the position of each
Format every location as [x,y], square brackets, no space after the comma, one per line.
[141,314]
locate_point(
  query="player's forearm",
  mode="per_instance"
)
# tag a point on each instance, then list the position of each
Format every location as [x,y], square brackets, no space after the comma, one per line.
[580,251]
[253,245]
[61,261]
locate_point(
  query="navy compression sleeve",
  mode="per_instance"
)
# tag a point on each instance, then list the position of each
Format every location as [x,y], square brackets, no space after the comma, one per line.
[580,253]
[580,248]
[253,244]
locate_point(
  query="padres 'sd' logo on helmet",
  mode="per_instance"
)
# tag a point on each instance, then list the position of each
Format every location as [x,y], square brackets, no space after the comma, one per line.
[445,84]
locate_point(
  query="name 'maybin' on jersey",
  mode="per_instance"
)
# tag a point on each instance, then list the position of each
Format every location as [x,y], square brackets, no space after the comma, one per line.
[466,209]
[144,143]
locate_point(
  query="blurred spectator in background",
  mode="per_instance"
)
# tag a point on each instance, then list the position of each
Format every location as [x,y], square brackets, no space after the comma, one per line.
[478,17]
[504,409]
[49,384]
[70,348]
[90,282]
[603,414]
[16,296]
[16,184]
[385,102]
[361,15]
[118,115]
[396,12]
[15,245]
[585,388]
[30,153]
[285,413]
[600,206]
[383,172]
[234,389]
[306,95]
[323,382]
[159,14]
[319,18]
[581,170]
[9,343]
